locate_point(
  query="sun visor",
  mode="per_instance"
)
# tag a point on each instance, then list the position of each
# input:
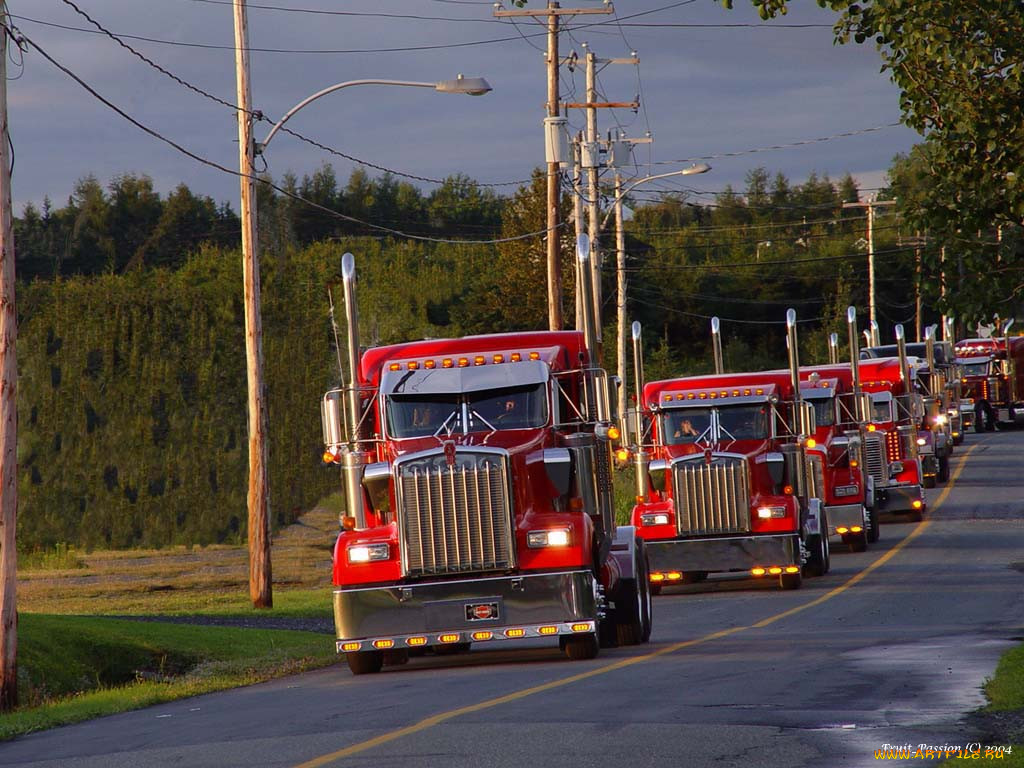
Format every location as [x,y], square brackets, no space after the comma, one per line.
[442,381]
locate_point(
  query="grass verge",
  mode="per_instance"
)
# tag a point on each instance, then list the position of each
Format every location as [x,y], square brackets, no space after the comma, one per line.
[73,668]
[1003,719]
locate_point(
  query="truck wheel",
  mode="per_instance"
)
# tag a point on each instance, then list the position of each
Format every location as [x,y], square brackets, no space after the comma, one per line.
[874,532]
[396,658]
[656,588]
[364,662]
[928,481]
[791,580]
[979,426]
[943,476]
[580,647]
[694,577]
[819,561]
[916,516]
[633,603]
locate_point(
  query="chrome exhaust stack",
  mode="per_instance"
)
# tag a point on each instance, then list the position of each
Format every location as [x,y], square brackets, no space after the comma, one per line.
[876,339]
[641,459]
[833,349]
[357,457]
[716,345]
[915,417]
[851,324]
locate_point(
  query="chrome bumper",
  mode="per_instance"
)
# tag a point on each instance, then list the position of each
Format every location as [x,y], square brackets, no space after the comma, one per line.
[845,515]
[898,498]
[446,607]
[738,553]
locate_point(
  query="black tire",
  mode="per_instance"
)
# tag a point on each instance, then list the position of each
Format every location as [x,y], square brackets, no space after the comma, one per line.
[819,562]
[874,531]
[979,426]
[364,662]
[580,647]
[791,580]
[916,516]
[694,577]
[943,476]
[396,658]
[656,588]
[928,481]
[633,603]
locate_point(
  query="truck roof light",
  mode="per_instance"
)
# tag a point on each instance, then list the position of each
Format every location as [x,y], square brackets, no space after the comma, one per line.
[724,393]
[430,364]
[690,396]
[735,393]
[413,365]
[535,355]
[516,357]
[498,358]
[759,391]
[463,362]
[713,395]
[395,367]
[668,398]
[703,396]
[746,393]
[479,360]
[447,363]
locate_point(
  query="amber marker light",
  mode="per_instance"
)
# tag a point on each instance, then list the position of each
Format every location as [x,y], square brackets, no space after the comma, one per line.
[657,577]
[383,644]
[811,442]
[674,575]
[841,530]
[449,637]
[482,635]
[535,355]
[479,360]
[623,455]
[351,646]
[415,642]
[447,363]
[581,627]
[516,357]
[547,630]
[856,529]
[775,570]
[917,504]
[348,523]
[614,433]
[792,569]
[514,633]
[758,571]
[872,427]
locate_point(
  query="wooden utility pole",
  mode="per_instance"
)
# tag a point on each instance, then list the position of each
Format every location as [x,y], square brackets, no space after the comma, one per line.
[258,497]
[871,205]
[553,12]
[8,412]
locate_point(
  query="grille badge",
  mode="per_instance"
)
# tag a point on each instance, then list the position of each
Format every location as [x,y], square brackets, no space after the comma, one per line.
[481,611]
[449,452]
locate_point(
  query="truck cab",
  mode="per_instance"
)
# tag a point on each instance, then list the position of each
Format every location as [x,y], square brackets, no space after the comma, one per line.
[993,380]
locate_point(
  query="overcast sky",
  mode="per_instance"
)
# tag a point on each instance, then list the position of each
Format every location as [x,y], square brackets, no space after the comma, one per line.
[706,91]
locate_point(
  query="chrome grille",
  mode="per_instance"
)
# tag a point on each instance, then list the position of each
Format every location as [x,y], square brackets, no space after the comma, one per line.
[712,498]
[874,458]
[454,519]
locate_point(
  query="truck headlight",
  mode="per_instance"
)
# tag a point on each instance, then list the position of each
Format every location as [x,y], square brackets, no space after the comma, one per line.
[368,553]
[654,518]
[921,441]
[941,419]
[895,467]
[555,537]
[766,513]
[846,490]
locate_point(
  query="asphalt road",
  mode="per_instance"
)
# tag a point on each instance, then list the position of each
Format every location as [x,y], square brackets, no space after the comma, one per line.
[891,647]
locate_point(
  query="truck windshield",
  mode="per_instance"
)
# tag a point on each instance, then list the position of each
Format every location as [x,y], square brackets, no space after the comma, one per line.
[976,369]
[743,422]
[523,407]
[736,422]
[881,409]
[824,411]
[686,425]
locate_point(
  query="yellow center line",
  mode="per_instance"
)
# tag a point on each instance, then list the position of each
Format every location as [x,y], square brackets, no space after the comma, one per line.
[442,717]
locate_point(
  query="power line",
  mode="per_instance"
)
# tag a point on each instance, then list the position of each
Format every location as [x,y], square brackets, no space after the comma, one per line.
[367,14]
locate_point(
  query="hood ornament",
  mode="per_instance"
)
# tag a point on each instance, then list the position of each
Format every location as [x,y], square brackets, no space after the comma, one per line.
[449,452]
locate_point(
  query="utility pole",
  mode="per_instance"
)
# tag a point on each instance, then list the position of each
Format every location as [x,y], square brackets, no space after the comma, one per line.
[8,411]
[871,205]
[258,501]
[553,12]
[577,207]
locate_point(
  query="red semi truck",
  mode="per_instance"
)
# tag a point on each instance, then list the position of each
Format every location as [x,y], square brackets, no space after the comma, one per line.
[993,379]
[477,477]
[724,483]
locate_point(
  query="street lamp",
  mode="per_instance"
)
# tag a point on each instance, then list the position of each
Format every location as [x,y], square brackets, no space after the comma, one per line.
[620,262]
[472,86]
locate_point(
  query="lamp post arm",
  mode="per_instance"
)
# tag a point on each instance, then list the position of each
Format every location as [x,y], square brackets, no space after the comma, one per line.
[331,89]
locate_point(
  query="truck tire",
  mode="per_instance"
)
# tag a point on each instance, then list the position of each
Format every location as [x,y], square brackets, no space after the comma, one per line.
[943,476]
[857,542]
[928,481]
[633,603]
[580,647]
[819,562]
[694,577]
[791,580]
[364,662]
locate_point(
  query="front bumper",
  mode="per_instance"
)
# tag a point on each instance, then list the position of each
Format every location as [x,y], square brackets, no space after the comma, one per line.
[720,555]
[532,602]
[899,498]
[845,516]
